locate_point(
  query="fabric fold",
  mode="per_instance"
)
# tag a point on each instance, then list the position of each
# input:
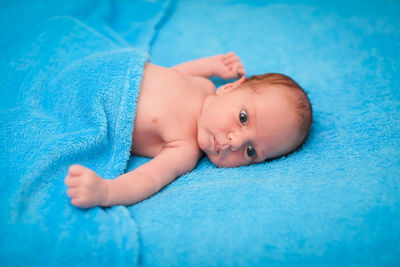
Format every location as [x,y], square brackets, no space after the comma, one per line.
[76,104]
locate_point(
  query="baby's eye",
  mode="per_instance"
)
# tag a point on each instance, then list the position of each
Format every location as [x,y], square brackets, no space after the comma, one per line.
[243,117]
[251,152]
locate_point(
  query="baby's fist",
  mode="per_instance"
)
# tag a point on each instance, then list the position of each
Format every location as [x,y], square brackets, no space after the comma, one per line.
[228,66]
[86,188]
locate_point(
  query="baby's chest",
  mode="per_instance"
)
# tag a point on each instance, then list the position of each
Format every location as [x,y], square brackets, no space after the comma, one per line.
[146,144]
[156,128]
[165,114]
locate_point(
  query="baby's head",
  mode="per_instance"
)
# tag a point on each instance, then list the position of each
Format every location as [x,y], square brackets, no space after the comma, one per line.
[251,120]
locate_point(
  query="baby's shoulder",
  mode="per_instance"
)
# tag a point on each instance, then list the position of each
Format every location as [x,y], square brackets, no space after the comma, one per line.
[204,84]
[185,153]
[187,147]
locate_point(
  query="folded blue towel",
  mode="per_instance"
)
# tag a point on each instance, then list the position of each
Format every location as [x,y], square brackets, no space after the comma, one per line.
[76,104]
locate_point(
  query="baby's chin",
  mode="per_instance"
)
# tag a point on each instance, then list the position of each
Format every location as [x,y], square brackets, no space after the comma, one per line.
[214,160]
[220,162]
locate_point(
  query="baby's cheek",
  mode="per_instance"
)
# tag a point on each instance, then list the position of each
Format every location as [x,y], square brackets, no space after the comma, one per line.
[203,141]
[232,159]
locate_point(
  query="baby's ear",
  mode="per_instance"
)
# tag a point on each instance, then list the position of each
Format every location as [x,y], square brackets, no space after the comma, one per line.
[229,86]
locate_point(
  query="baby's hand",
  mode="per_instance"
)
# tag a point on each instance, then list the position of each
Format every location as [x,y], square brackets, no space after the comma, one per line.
[228,66]
[86,188]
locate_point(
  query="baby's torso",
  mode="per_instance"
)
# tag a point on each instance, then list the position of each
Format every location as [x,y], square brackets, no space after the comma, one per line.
[167,110]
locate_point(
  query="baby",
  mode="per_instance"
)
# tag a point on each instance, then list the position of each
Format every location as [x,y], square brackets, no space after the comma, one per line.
[180,115]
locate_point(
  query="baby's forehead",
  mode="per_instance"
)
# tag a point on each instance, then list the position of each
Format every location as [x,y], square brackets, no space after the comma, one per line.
[276,119]
[271,93]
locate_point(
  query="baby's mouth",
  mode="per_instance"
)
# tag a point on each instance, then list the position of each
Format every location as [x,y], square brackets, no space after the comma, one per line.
[217,146]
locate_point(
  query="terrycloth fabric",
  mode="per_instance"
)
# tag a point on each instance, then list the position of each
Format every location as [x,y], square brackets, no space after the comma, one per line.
[336,201]
[76,103]
[124,22]
[128,22]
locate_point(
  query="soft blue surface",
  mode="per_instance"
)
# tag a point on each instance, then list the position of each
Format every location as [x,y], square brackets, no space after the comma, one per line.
[68,96]
[336,201]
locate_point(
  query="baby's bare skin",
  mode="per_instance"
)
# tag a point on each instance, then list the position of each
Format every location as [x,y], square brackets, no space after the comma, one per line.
[168,109]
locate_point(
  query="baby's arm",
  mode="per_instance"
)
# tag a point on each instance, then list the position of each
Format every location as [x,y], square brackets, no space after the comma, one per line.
[226,66]
[87,189]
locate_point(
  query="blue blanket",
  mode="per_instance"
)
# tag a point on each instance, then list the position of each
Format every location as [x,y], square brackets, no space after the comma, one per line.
[334,202]
[67,95]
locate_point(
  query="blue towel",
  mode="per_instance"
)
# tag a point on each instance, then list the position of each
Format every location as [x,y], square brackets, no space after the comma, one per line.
[76,104]
[335,201]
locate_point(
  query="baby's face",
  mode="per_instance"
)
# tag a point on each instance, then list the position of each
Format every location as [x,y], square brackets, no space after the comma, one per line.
[240,127]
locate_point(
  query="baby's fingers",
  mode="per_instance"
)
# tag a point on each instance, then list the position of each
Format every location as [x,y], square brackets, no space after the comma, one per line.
[76,170]
[238,69]
[71,181]
[241,71]
[73,193]
[80,202]
[231,59]
[83,201]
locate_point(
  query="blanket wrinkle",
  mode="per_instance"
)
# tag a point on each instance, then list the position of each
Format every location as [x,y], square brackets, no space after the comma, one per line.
[68,91]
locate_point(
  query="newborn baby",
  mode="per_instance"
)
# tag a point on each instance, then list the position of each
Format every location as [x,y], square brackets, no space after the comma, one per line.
[180,115]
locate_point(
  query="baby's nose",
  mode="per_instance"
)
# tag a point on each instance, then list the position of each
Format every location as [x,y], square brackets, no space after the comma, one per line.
[236,140]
